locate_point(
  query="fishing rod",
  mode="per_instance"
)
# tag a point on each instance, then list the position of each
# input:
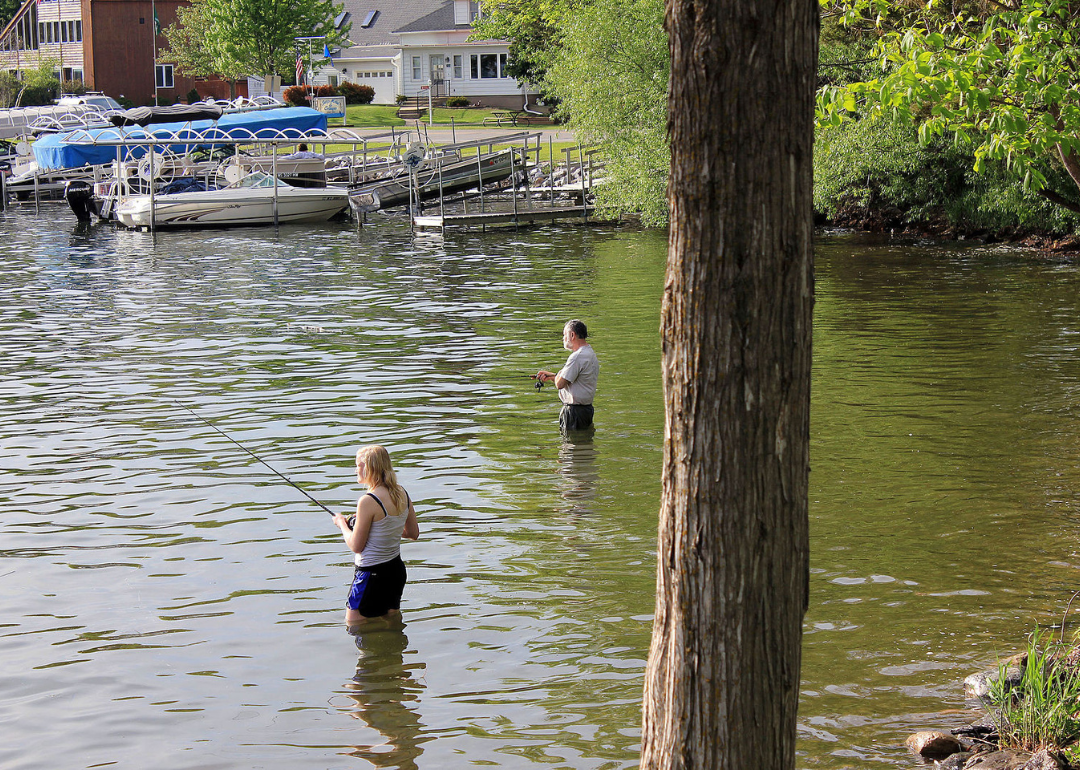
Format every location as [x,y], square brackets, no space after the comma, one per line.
[230,438]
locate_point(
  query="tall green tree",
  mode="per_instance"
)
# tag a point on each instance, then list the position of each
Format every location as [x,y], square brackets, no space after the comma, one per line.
[534,29]
[195,50]
[610,74]
[1002,77]
[253,37]
[8,9]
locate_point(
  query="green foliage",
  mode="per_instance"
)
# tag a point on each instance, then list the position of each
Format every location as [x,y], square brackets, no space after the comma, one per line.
[230,38]
[1043,711]
[10,86]
[866,167]
[193,96]
[41,85]
[194,46]
[457,101]
[8,9]
[535,29]
[73,87]
[1007,81]
[356,93]
[611,74]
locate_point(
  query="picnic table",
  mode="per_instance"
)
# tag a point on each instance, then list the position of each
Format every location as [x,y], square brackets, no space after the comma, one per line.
[512,117]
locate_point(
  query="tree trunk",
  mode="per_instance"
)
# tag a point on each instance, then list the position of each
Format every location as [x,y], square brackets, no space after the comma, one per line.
[722,683]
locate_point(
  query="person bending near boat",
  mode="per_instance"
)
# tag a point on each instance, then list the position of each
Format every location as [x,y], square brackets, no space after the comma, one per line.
[576,381]
[384,515]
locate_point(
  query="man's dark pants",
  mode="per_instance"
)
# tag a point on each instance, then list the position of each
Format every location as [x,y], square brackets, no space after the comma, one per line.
[575,417]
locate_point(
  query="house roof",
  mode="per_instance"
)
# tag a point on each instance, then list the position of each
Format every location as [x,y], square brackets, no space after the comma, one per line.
[396,16]
[440,19]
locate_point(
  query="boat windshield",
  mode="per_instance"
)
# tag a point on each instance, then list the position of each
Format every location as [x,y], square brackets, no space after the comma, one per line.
[259,179]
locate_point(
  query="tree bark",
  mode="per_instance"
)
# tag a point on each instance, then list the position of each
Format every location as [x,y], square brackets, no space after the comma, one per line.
[722,682]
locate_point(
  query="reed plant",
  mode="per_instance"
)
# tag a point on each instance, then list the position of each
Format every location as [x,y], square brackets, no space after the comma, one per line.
[1042,710]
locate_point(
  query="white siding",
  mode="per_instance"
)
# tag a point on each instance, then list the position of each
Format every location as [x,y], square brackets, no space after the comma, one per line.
[461,11]
[467,85]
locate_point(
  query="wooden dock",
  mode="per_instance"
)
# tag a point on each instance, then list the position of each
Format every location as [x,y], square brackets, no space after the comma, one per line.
[521,216]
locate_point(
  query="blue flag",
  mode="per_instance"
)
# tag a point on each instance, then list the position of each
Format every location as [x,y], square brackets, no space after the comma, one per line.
[326,54]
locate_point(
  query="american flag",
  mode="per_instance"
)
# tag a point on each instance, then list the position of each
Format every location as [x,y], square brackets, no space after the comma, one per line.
[299,69]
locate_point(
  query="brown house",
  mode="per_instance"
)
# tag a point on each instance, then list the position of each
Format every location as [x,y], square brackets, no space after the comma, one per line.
[113,46]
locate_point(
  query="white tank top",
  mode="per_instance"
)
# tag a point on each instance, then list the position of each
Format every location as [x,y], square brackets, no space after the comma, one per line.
[384,538]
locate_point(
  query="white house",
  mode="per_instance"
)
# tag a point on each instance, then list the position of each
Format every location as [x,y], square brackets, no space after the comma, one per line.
[408,47]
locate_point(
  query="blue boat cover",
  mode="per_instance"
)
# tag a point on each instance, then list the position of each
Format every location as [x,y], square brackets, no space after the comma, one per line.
[54,151]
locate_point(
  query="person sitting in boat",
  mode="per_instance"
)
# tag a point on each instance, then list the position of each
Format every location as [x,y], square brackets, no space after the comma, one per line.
[303,152]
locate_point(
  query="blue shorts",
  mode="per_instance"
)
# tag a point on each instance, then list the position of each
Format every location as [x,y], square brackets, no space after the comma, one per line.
[377,589]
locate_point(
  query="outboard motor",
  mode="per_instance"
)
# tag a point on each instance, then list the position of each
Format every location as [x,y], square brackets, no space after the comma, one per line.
[79,194]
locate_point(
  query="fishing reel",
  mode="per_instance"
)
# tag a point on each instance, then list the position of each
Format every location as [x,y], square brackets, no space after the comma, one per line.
[539,384]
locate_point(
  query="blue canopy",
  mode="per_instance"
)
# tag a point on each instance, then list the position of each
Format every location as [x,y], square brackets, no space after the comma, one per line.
[55,151]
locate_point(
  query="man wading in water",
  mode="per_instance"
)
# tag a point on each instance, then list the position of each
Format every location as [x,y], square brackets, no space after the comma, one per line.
[576,381]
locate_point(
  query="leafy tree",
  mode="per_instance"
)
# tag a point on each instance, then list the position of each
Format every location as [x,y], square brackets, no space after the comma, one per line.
[8,9]
[251,37]
[535,31]
[722,681]
[611,75]
[1003,78]
[40,84]
[196,50]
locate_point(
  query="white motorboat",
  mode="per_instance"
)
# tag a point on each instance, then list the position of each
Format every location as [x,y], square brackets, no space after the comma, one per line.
[249,201]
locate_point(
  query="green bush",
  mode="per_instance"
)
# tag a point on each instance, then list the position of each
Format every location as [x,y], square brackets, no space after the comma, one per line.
[877,171]
[193,96]
[10,86]
[356,93]
[401,98]
[457,101]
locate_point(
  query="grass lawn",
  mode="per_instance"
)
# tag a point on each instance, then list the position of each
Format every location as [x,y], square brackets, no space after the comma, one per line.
[385,115]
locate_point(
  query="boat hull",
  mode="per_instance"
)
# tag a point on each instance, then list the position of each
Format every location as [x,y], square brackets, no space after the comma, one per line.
[458,176]
[230,208]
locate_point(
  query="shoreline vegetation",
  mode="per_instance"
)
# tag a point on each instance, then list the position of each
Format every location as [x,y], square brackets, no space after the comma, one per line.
[1032,713]
[875,176]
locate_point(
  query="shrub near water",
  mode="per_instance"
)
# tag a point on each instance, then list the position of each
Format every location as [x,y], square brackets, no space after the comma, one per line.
[1043,710]
[875,173]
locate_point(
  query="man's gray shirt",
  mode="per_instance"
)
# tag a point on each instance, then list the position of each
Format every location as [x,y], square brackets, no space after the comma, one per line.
[581,370]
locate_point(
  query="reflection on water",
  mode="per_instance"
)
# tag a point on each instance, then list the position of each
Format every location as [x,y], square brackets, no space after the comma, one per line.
[179,600]
[578,467]
[386,690]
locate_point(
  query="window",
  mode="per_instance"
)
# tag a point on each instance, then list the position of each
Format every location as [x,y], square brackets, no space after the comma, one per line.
[164,73]
[458,74]
[369,19]
[488,65]
[333,80]
[474,11]
[417,73]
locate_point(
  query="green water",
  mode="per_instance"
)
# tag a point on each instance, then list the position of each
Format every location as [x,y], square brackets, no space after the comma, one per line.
[165,595]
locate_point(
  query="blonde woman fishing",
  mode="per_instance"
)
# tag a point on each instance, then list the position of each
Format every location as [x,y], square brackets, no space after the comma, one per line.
[384,515]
